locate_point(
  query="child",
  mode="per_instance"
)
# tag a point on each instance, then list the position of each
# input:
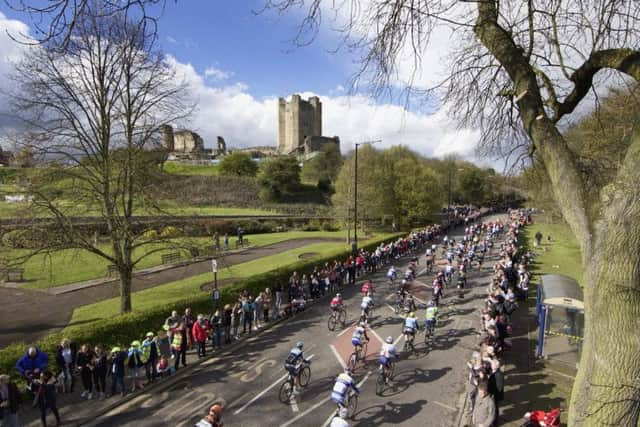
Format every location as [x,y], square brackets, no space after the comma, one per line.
[45,397]
[163,367]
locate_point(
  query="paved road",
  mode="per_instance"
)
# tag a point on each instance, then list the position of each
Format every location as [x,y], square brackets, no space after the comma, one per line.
[34,314]
[426,389]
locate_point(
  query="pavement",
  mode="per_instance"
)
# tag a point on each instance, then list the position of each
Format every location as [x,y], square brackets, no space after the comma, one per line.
[245,378]
[34,314]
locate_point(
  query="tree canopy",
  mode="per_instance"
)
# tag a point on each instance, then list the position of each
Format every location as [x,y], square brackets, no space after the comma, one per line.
[238,164]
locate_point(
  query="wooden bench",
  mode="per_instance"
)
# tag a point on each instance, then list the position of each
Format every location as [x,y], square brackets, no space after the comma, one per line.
[243,244]
[112,270]
[12,274]
[171,258]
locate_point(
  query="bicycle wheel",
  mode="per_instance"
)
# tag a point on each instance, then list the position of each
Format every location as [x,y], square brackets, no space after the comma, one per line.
[353,360]
[380,384]
[331,323]
[363,352]
[342,317]
[305,376]
[286,389]
[352,404]
[391,369]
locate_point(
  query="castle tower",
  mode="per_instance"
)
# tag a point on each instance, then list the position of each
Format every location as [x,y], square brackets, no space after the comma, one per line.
[297,120]
[167,138]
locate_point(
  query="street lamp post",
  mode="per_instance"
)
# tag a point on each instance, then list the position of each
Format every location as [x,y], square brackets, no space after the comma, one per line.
[354,246]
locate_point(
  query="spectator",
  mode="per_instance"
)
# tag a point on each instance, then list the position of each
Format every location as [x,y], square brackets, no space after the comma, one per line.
[135,365]
[266,304]
[277,289]
[99,364]
[226,241]
[85,355]
[33,361]
[9,402]
[227,314]
[235,322]
[45,397]
[248,310]
[171,323]
[484,409]
[65,360]
[118,358]
[496,384]
[150,354]
[216,240]
[163,367]
[200,333]
[188,324]
[216,330]
[257,312]
[179,345]
[164,344]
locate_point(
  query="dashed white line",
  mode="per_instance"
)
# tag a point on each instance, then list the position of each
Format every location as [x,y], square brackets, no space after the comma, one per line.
[335,353]
[398,339]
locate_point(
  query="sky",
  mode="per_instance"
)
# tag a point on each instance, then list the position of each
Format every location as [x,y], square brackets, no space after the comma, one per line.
[238,63]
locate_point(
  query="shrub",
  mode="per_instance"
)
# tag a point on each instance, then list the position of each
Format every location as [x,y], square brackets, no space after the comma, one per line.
[150,234]
[169,231]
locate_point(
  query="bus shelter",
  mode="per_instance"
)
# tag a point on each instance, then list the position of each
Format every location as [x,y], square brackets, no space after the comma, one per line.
[560,315]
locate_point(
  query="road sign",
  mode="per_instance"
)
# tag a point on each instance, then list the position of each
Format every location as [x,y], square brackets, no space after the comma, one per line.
[214,265]
[216,295]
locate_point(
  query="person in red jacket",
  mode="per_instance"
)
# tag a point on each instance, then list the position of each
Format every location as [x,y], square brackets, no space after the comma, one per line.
[200,332]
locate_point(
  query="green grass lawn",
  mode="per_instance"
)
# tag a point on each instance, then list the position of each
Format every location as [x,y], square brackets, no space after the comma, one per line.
[176,168]
[562,255]
[71,265]
[178,290]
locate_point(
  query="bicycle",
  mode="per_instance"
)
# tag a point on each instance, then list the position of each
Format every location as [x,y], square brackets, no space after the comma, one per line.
[338,315]
[408,343]
[383,376]
[429,331]
[399,305]
[351,404]
[286,389]
[359,354]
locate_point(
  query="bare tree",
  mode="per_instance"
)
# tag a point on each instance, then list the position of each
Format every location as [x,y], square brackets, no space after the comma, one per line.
[520,72]
[93,102]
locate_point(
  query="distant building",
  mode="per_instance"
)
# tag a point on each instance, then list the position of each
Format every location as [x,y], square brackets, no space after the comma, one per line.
[300,127]
[186,145]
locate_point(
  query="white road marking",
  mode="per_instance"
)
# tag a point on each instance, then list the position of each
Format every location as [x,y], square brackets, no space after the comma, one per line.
[393,310]
[451,408]
[262,393]
[293,403]
[345,330]
[335,353]
[398,339]
[328,421]
[376,335]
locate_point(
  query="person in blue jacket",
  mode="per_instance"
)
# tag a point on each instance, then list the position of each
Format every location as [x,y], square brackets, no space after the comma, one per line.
[32,362]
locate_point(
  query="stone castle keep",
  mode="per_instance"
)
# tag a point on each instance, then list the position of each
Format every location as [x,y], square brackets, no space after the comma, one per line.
[300,127]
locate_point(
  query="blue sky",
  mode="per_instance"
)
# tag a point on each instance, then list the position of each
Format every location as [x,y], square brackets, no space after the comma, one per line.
[256,49]
[238,63]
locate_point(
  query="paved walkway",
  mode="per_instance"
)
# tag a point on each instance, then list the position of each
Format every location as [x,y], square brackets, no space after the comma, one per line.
[28,315]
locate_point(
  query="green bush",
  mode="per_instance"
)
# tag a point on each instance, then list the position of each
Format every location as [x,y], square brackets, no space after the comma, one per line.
[123,329]
[169,231]
[150,234]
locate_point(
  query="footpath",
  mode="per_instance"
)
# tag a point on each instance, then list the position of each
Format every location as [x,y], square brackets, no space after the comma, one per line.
[33,314]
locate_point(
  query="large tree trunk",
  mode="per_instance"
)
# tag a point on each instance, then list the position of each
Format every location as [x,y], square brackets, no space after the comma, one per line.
[607,389]
[126,274]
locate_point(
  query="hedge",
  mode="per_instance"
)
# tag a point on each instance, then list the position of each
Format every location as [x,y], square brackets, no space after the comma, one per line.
[123,329]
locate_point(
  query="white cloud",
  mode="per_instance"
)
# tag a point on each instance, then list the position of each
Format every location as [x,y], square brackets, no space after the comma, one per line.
[171,40]
[243,120]
[217,74]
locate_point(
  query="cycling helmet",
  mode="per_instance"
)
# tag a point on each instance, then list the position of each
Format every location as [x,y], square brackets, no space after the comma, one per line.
[431,303]
[412,314]
[389,340]
[404,281]
[338,295]
[343,413]
[300,344]
[363,324]
[347,370]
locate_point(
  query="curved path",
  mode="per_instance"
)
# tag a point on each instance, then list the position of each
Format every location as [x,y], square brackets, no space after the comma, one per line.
[28,315]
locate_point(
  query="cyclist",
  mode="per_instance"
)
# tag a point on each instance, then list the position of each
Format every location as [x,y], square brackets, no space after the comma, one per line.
[448,273]
[340,419]
[367,303]
[359,333]
[387,351]
[337,303]
[409,303]
[213,419]
[429,261]
[293,364]
[367,288]
[410,327]
[408,275]
[431,315]
[343,383]
[391,274]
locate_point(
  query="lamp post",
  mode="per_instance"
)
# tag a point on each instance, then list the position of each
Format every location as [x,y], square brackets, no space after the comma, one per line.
[354,245]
